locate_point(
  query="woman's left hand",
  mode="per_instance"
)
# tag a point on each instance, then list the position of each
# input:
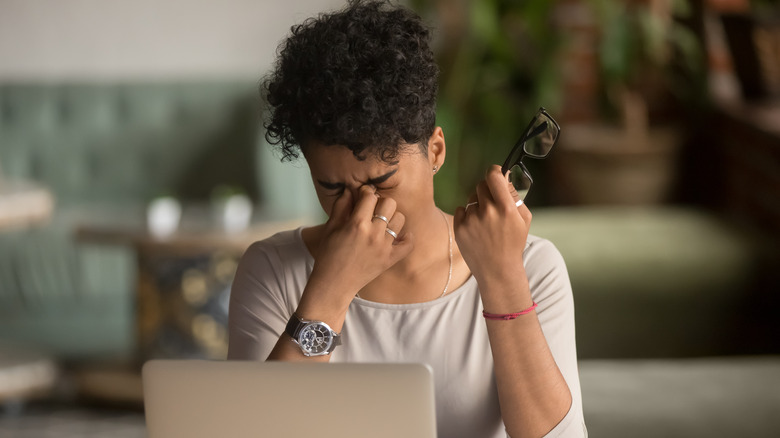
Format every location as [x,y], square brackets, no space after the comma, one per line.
[491,234]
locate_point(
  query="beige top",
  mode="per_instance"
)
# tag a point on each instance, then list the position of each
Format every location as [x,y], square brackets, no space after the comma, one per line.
[449,333]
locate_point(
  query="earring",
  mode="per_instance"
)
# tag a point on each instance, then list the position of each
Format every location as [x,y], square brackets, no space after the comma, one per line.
[435,169]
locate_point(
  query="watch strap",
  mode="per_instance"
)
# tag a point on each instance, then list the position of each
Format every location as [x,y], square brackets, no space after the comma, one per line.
[296,324]
[336,341]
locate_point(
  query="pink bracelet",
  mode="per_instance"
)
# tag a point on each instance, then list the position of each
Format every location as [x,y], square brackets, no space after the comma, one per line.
[508,316]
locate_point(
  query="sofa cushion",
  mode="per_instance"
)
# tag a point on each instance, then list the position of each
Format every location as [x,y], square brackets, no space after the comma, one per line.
[655,281]
[66,297]
[682,398]
[103,142]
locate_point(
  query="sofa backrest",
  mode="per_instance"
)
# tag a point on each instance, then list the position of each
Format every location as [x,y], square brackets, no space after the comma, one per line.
[132,141]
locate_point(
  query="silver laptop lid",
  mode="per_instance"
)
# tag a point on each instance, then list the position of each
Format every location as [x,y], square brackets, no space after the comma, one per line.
[196,398]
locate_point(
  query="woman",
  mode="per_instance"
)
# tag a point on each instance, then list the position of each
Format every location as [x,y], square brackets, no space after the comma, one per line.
[390,277]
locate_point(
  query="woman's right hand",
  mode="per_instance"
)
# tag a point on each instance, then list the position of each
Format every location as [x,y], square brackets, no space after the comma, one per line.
[355,247]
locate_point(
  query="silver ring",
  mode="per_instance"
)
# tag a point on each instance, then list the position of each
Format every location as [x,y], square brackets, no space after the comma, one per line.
[470,204]
[519,203]
[391,232]
[380,217]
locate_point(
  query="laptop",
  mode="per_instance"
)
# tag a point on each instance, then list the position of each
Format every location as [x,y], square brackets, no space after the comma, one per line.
[200,398]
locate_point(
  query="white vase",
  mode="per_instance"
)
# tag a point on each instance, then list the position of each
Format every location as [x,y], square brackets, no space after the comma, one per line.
[163,215]
[234,213]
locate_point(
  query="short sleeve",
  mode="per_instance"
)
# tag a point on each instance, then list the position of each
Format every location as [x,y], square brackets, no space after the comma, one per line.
[551,290]
[258,311]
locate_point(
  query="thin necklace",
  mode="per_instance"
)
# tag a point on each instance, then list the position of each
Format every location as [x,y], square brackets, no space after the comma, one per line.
[449,245]
[449,272]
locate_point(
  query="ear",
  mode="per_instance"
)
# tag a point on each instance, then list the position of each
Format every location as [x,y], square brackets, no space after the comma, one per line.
[437,150]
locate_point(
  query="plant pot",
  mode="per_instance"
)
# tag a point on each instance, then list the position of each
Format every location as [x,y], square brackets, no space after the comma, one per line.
[596,164]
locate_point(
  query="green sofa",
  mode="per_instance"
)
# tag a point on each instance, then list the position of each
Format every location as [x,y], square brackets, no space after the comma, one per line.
[665,281]
[105,150]
[677,311]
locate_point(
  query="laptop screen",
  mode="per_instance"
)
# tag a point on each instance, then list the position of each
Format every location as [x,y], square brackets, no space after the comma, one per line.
[197,398]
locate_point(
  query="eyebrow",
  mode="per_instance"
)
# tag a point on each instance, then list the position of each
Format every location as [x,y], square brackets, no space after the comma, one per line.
[374,181]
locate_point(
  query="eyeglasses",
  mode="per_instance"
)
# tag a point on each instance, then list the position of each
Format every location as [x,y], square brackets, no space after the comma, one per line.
[536,142]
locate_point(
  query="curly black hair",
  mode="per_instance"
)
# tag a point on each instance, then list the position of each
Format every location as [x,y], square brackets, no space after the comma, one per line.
[363,77]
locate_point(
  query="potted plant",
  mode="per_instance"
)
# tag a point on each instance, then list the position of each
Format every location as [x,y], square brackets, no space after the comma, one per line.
[625,158]
[498,63]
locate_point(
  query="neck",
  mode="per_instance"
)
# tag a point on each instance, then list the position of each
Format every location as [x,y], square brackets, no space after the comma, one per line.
[431,243]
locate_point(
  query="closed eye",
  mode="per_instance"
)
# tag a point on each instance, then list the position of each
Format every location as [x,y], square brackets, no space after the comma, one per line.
[337,191]
[339,187]
[331,186]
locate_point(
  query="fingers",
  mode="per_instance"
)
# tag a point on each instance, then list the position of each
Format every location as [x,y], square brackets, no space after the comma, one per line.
[341,209]
[402,246]
[366,202]
[525,213]
[495,190]
[386,218]
[403,242]
[515,196]
[385,207]
[499,186]
[484,198]
[396,224]
[457,218]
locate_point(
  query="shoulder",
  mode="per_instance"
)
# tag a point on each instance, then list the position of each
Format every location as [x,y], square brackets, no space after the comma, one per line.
[546,270]
[285,245]
[274,258]
[540,252]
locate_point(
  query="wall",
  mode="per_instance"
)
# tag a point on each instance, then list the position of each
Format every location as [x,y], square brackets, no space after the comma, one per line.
[121,39]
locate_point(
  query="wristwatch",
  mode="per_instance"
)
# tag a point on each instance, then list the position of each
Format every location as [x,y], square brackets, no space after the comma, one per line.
[314,337]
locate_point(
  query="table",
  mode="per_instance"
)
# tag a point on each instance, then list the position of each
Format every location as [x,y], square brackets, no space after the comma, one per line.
[183,283]
[182,293]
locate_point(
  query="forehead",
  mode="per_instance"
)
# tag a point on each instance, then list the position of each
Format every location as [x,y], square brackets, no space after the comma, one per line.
[336,155]
[338,162]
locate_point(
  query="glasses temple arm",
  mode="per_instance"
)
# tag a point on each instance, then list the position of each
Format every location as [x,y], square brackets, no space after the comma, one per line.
[538,130]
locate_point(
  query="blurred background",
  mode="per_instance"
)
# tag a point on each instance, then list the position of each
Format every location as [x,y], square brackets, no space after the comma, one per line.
[133,174]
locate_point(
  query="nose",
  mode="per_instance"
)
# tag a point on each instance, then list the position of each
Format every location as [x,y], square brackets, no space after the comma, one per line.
[355,192]
[357,189]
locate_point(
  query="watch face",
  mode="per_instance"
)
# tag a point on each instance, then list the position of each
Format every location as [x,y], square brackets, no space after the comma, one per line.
[315,338]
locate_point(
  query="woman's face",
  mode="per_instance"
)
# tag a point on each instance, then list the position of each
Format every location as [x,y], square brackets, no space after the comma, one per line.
[408,180]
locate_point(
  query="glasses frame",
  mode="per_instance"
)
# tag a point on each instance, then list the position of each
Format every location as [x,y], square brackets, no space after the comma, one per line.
[527,135]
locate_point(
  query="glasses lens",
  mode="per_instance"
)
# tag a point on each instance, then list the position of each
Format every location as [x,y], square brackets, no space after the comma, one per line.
[543,134]
[520,181]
